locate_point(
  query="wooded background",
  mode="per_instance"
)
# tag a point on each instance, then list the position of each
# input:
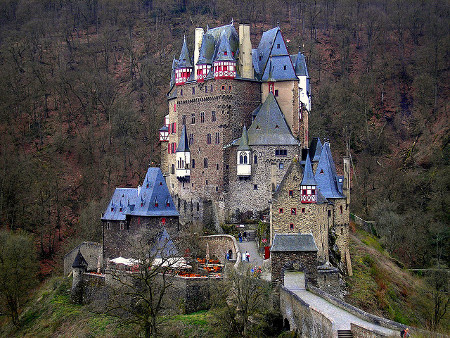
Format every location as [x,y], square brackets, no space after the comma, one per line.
[83,94]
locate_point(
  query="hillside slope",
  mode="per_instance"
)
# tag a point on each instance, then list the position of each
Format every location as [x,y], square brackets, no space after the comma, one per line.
[380,285]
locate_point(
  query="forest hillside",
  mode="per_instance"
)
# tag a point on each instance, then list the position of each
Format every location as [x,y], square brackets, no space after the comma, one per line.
[83,94]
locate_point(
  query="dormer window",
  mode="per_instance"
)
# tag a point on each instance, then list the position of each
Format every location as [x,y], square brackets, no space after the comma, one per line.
[142,204]
[278,46]
[156,203]
[225,53]
[120,210]
[112,208]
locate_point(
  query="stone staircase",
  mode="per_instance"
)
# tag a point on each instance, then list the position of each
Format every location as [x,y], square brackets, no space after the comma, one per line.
[345,334]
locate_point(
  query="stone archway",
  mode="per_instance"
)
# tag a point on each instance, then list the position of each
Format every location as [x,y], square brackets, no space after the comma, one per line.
[293,275]
[291,263]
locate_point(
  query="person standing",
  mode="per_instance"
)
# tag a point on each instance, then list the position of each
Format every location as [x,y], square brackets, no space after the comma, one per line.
[247,256]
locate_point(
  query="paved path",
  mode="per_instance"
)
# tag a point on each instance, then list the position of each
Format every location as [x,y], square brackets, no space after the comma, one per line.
[341,319]
[252,249]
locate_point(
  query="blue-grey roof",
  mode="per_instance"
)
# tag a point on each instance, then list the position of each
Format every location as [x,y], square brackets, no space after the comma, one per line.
[299,61]
[325,176]
[269,126]
[308,175]
[164,246]
[261,54]
[216,42]
[152,199]
[294,243]
[243,142]
[183,145]
[184,60]
[164,128]
[279,69]
[315,149]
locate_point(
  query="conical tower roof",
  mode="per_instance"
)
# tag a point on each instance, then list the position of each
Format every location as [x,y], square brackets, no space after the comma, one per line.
[308,175]
[243,143]
[183,145]
[184,60]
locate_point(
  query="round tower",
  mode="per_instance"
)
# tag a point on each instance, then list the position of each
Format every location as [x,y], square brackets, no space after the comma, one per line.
[79,267]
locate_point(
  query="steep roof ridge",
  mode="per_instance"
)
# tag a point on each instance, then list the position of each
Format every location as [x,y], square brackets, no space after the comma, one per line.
[243,143]
[183,145]
[295,167]
[316,149]
[270,127]
[224,52]
[308,175]
[265,48]
[325,176]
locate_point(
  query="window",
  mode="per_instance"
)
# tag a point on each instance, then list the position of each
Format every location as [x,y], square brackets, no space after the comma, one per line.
[293,211]
[217,138]
[284,67]
[211,88]
[193,90]
[208,138]
[206,182]
[255,159]
[193,119]
[198,206]
[181,92]
[108,225]
[174,128]
[340,208]
[174,107]
[281,165]
[342,231]
[223,87]
[280,152]
[205,163]
[213,116]
[255,187]
[122,226]
[173,169]
[280,211]
[191,139]
[278,46]
[291,193]
[183,120]
[206,89]
[291,226]
[229,87]
[193,164]
[329,213]
[217,166]
[202,117]
[276,92]
[303,210]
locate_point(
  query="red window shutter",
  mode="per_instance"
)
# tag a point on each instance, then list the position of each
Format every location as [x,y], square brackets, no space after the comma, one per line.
[168,148]
[174,127]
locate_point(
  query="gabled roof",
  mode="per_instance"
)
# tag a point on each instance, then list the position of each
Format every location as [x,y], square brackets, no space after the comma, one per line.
[164,128]
[224,50]
[243,143]
[150,199]
[183,145]
[261,54]
[308,175]
[294,243]
[325,176]
[315,149]
[294,169]
[79,261]
[184,60]
[269,126]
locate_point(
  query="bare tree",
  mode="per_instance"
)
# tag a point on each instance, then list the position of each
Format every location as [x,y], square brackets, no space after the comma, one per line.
[140,292]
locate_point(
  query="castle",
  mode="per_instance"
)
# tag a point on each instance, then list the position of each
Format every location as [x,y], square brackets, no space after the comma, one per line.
[235,140]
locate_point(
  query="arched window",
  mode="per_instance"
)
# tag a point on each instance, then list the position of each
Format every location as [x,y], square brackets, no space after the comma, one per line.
[255,159]
[241,159]
[245,159]
[208,138]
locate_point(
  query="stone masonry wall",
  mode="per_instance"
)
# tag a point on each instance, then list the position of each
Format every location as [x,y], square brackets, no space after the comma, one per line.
[302,319]
[306,261]
[254,193]
[91,252]
[219,245]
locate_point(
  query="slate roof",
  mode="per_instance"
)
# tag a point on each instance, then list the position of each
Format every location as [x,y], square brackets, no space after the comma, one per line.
[294,243]
[150,199]
[79,261]
[299,62]
[308,175]
[183,145]
[269,126]
[326,177]
[243,142]
[216,42]
[263,50]
[315,149]
[184,60]
[164,128]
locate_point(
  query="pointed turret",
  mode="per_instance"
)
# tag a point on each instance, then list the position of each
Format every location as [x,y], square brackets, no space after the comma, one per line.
[184,66]
[225,62]
[183,157]
[326,176]
[244,167]
[309,185]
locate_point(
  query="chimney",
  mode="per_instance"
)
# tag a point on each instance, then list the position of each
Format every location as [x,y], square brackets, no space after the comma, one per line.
[197,44]
[245,52]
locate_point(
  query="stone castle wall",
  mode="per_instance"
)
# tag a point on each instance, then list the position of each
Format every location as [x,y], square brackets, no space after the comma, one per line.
[306,261]
[91,252]
[255,192]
